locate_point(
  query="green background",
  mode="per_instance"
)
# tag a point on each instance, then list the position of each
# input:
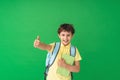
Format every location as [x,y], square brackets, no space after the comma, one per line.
[97,36]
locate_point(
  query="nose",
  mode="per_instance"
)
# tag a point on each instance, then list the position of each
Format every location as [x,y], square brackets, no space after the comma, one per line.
[66,37]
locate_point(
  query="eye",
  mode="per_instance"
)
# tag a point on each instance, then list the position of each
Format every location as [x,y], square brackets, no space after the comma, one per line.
[63,34]
[68,35]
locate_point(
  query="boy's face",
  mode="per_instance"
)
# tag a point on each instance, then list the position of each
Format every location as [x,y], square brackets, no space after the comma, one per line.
[65,37]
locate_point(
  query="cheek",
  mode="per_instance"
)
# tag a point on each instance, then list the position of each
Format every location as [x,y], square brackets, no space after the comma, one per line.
[69,38]
[61,38]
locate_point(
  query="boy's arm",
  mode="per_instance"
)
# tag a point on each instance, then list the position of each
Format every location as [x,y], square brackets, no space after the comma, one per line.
[71,68]
[40,45]
[44,46]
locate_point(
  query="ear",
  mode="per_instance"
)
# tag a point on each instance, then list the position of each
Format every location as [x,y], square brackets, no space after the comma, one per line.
[59,35]
[72,35]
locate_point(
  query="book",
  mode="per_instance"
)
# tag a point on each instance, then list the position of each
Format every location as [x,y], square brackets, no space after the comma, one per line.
[69,60]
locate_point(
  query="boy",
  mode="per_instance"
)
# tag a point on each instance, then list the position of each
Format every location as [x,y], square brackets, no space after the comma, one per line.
[65,33]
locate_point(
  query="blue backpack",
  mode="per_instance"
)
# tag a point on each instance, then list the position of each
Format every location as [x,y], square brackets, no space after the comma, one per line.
[52,56]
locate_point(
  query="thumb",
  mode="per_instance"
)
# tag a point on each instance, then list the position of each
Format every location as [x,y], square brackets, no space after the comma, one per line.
[38,37]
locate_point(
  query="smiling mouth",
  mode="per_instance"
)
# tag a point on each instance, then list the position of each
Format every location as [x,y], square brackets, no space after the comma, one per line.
[65,41]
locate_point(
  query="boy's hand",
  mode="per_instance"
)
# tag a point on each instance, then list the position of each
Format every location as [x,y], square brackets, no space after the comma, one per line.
[37,42]
[61,63]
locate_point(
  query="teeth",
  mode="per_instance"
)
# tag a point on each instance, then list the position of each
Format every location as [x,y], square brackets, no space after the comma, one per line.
[65,41]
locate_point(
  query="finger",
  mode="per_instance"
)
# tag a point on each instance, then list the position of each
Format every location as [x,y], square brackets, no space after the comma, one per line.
[38,37]
[37,42]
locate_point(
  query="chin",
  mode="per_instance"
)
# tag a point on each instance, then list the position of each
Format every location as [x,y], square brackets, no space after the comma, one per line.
[65,44]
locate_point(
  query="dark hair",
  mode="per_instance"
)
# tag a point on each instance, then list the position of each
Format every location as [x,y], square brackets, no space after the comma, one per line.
[66,27]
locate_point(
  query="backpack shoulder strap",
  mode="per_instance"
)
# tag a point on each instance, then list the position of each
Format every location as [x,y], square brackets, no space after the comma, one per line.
[52,56]
[72,51]
[54,53]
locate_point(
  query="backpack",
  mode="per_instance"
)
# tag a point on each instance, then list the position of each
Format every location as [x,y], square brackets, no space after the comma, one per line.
[52,56]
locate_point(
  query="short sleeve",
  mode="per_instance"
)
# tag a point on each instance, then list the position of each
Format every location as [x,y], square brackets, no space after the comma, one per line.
[52,44]
[78,56]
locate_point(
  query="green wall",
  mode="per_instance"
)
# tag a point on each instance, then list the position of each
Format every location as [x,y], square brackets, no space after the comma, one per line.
[97,36]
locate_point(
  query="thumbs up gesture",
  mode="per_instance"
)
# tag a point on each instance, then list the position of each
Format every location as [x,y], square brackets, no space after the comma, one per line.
[37,42]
